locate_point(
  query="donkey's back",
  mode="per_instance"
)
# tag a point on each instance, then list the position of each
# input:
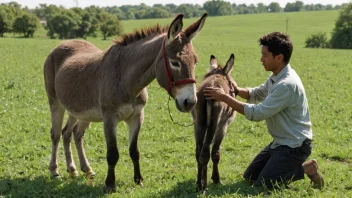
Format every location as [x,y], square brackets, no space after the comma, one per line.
[211,119]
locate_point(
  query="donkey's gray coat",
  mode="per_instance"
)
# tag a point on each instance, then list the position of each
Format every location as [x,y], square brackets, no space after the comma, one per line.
[110,86]
[211,119]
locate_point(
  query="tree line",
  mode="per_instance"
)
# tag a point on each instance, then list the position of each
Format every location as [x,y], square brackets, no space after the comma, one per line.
[59,22]
[213,8]
[77,22]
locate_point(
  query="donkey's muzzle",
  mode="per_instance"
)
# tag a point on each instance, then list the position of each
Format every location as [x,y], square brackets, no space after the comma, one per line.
[186,105]
[185,97]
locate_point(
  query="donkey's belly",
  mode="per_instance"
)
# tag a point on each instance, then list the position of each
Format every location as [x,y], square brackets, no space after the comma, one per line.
[90,115]
[123,112]
[127,111]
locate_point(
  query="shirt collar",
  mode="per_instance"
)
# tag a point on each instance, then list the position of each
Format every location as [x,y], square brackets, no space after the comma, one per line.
[280,74]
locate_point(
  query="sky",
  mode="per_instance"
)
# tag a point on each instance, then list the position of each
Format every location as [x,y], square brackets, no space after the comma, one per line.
[105,3]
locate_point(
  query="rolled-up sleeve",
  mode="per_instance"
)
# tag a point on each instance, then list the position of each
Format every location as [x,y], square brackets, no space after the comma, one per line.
[275,102]
[258,94]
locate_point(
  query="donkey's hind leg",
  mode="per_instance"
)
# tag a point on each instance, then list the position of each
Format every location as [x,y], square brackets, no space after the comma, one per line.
[57,116]
[134,125]
[199,133]
[79,137]
[67,137]
[215,153]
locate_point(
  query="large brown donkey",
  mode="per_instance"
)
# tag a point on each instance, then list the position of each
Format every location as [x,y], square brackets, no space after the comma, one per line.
[211,119]
[110,86]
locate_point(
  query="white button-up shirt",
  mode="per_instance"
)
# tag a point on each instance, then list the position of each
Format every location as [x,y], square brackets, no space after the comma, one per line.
[284,107]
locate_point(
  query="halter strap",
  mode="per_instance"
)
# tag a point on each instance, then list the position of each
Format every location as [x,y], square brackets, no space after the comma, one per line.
[169,76]
[233,89]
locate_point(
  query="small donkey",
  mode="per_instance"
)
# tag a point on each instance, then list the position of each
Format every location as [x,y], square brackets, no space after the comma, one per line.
[211,119]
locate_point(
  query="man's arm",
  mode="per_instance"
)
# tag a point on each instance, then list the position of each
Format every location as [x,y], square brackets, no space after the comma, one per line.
[243,92]
[216,93]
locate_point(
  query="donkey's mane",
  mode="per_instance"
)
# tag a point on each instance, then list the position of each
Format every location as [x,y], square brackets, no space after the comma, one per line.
[126,39]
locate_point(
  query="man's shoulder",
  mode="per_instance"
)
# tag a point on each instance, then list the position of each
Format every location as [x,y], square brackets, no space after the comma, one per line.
[291,78]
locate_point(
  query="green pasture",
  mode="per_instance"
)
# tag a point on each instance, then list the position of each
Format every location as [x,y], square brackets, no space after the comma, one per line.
[167,150]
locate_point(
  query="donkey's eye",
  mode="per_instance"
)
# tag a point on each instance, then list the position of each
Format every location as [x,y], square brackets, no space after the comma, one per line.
[175,63]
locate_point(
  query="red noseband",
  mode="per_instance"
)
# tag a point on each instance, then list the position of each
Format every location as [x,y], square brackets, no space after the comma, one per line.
[171,82]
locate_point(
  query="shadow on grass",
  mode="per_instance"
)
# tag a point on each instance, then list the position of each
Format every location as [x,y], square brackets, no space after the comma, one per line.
[46,187]
[188,189]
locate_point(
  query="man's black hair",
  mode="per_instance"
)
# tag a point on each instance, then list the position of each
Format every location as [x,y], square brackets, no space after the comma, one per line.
[278,43]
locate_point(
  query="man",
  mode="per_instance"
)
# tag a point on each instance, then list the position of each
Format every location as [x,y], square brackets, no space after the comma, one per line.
[284,107]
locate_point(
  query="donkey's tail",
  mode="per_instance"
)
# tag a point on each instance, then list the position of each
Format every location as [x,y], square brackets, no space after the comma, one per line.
[51,66]
[212,109]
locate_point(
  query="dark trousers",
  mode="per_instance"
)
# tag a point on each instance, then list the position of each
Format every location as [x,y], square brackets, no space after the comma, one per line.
[282,165]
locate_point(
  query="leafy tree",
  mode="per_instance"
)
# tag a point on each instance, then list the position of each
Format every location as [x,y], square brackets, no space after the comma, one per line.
[290,7]
[329,7]
[6,20]
[15,8]
[240,9]
[129,15]
[218,8]
[185,9]
[274,7]
[27,24]
[140,14]
[197,10]
[85,22]
[110,25]
[118,12]
[342,33]
[154,13]
[64,24]
[45,12]
[94,15]
[298,5]
[261,8]
[172,7]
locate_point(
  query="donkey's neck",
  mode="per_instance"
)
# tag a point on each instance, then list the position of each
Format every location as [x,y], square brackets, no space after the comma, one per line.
[142,56]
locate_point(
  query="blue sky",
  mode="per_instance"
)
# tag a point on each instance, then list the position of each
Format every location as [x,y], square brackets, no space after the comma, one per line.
[104,3]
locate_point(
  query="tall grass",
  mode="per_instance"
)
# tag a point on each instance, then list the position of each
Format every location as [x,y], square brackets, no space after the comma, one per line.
[167,150]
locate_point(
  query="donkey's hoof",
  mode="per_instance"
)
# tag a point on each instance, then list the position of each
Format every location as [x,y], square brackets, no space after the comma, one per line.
[55,175]
[217,182]
[138,180]
[110,189]
[90,175]
[73,173]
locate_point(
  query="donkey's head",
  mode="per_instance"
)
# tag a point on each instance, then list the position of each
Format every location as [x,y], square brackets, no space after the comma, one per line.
[214,68]
[225,72]
[175,69]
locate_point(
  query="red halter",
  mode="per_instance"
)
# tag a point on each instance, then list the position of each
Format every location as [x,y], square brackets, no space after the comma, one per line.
[171,82]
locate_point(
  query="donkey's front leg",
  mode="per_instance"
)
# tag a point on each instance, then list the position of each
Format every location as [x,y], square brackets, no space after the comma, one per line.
[112,154]
[134,125]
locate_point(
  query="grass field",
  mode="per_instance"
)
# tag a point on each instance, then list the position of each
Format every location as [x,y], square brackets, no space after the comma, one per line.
[167,151]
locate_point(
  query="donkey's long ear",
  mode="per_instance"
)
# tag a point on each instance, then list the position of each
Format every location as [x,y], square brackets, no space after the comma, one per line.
[213,63]
[195,28]
[228,68]
[175,28]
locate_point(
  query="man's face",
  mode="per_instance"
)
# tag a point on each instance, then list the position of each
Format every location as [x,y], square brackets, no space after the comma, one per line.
[269,62]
